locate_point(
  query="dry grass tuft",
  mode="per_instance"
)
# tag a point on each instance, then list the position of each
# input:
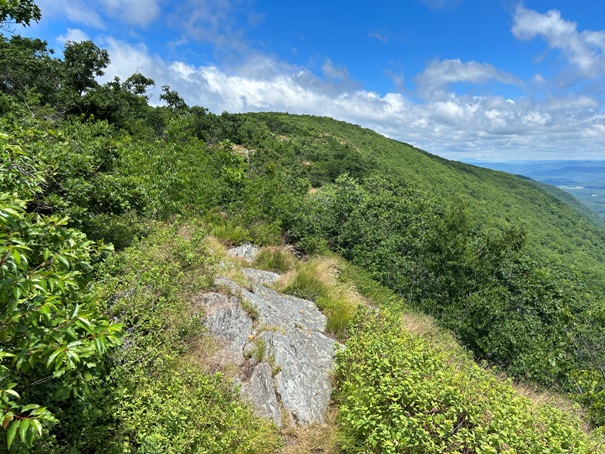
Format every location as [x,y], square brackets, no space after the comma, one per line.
[541,397]
[318,438]
[215,247]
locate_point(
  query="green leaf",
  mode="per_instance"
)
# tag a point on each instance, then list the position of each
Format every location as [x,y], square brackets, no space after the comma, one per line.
[74,314]
[13,393]
[29,407]
[52,357]
[37,425]
[12,431]
[17,257]
[24,426]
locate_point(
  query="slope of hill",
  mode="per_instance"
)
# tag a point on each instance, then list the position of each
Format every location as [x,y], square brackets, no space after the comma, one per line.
[102,349]
[585,180]
[496,199]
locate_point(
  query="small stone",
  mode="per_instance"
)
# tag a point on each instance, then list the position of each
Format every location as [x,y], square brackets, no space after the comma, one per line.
[249,350]
[246,252]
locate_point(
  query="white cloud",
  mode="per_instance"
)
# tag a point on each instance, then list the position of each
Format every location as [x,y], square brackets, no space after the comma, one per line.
[73,34]
[455,126]
[332,71]
[585,49]
[440,73]
[214,21]
[135,12]
[89,13]
[76,11]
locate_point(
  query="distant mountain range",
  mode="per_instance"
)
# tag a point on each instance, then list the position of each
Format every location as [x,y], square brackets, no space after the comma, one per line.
[582,178]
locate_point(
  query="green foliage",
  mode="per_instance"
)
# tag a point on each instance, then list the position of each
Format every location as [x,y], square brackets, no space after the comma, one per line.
[397,393]
[28,70]
[19,12]
[82,62]
[186,411]
[153,396]
[52,329]
[514,272]
[507,308]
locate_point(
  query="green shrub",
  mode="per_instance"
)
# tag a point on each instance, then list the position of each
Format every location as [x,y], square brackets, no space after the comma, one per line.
[397,393]
[153,396]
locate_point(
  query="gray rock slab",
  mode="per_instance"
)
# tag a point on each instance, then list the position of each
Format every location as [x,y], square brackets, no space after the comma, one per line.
[227,321]
[305,361]
[233,288]
[297,347]
[246,252]
[260,277]
[276,309]
[259,392]
[289,312]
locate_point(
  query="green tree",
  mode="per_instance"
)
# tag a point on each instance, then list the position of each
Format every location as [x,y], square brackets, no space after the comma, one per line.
[173,99]
[82,62]
[18,12]
[27,67]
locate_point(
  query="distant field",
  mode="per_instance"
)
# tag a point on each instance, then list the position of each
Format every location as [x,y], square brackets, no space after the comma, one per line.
[585,180]
[592,198]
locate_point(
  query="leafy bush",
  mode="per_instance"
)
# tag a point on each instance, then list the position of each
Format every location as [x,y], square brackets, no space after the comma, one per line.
[397,393]
[53,332]
[154,395]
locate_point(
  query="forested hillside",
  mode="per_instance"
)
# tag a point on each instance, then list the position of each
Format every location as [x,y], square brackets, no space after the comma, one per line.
[111,210]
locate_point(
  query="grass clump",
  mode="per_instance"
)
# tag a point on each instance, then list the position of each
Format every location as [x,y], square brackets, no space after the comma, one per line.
[276,259]
[317,280]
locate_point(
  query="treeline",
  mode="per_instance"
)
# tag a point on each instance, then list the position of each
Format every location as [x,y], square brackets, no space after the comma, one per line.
[85,164]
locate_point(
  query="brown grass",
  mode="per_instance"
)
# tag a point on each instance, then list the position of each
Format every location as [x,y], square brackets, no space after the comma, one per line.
[318,438]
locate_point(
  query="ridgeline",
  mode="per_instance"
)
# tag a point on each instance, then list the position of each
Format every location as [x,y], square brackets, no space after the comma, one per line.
[440,278]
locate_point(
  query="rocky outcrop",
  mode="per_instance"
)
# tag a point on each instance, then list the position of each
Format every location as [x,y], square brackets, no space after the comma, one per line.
[246,252]
[279,343]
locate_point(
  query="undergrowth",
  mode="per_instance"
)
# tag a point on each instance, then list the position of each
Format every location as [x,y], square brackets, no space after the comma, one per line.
[399,393]
[154,398]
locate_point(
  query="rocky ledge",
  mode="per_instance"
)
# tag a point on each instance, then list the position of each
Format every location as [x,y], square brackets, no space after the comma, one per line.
[278,342]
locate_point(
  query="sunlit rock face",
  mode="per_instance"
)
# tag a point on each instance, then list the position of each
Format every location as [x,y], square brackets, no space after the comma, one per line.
[278,343]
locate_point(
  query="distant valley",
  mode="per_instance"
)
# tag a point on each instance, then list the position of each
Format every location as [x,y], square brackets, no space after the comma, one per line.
[583,179]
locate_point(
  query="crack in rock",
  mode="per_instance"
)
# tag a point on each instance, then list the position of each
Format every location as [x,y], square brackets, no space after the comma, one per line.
[285,373]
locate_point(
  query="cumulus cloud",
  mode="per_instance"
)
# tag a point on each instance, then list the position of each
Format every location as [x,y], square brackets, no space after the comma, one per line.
[583,49]
[73,34]
[332,71]
[455,126]
[441,73]
[219,22]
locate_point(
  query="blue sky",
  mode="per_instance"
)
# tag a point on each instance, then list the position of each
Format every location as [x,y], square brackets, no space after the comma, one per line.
[466,79]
